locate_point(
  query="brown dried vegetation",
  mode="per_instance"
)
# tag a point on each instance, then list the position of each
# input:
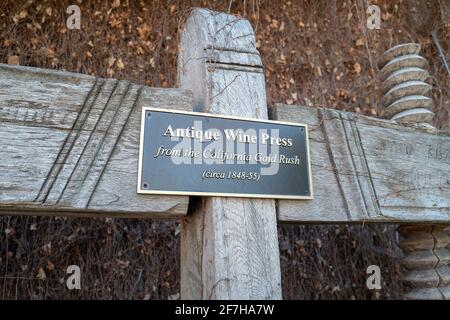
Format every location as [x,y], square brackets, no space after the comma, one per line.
[316,53]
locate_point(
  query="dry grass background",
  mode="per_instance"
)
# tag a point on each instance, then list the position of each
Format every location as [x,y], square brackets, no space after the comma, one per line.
[316,53]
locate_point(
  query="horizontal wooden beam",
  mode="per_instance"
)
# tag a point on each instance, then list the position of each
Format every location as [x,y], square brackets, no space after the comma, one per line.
[370,170]
[69,144]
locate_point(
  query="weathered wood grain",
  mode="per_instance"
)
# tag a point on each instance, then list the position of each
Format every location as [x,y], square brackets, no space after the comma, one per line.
[69,144]
[229,246]
[370,170]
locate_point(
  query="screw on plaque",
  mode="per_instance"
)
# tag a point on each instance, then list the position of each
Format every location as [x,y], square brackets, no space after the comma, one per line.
[145,185]
[149,114]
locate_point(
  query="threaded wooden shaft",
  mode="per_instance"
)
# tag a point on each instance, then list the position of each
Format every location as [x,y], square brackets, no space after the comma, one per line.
[426,260]
[403,72]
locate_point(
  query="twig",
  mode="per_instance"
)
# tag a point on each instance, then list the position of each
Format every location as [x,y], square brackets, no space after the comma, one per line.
[441,52]
[223,90]
[229,6]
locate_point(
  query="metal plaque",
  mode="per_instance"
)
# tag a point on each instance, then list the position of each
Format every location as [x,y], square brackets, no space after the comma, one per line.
[192,153]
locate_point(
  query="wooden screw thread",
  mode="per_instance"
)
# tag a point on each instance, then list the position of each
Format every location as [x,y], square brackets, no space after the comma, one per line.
[426,260]
[403,72]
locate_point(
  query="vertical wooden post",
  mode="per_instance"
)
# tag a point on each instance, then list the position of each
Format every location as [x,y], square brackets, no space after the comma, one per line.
[426,256]
[229,246]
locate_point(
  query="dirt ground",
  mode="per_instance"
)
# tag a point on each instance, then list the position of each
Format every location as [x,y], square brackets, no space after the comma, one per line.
[316,53]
